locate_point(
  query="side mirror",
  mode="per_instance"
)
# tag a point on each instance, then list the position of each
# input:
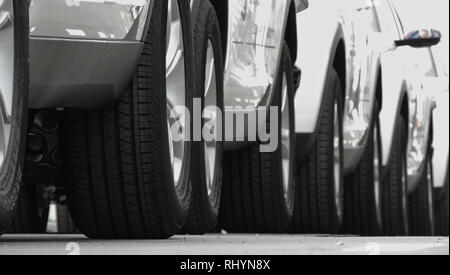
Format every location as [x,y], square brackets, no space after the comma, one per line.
[301,5]
[420,39]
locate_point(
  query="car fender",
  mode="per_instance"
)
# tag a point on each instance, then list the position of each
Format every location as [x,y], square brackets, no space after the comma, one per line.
[394,89]
[440,138]
[317,49]
[253,50]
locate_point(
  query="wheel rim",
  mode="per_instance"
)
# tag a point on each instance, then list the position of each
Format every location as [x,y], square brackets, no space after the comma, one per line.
[6,75]
[337,177]
[376,175]
[210,116]
[176,90]
[286,141]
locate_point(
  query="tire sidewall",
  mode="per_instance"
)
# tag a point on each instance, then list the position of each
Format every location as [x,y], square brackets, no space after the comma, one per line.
[402,135]
[376,207]
[286,207]
[336,98]
[11,172]
[180,195]
[378,226]
[210,204]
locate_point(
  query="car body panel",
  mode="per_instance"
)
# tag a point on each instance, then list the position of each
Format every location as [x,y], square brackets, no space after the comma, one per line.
[354,25]
[394,92]
[79,73]
[83,52]
[84,36]
[441,137]
[368,30]
[360,27]
[414,71]
[89,19]
[255,36]
[315,52]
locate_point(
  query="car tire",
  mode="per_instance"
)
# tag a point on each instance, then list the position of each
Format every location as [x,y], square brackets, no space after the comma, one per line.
[395,185]
[32,211]
[64,221]
[319,204]
[14,45]
[421,203]
[363,206]
[119,162]
[257,193]
[206,177]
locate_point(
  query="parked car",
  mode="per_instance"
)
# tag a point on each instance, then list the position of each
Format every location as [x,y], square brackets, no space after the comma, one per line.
[113,75]
[260,46]
[337,120]
[377,134]
[107,67]
[410,77]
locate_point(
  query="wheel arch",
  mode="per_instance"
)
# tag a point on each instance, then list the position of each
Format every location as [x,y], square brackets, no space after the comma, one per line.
[379,89]
[221,8]
[340,66]
[387,124]
[290,35]
[404,106]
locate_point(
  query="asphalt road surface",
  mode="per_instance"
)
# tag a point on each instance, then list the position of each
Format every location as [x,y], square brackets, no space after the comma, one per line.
[225,244]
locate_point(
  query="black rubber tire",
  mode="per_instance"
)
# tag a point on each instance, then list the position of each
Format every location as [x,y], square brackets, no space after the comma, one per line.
[204,208]
[11,171]
[395,190]
[421,204]
[441,211]
[64,221]
[119,178]
[253,198]
[316,208]
[363,208]
[32,210]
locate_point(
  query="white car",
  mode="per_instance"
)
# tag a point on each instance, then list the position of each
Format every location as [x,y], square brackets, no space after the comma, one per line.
[360,59]
[414,68]
[337,124]
[106,82]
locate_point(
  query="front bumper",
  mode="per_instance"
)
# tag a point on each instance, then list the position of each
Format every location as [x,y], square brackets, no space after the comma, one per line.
[79,73]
